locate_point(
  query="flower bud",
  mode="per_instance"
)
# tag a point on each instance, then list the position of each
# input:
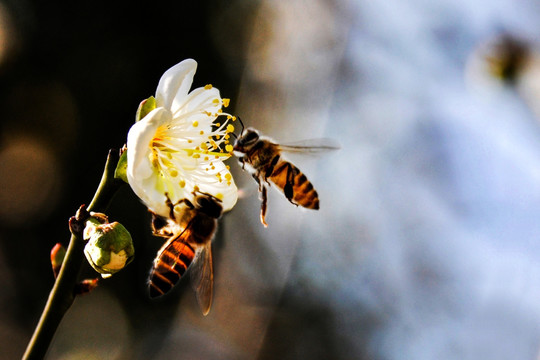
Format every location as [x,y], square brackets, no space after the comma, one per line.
[58,253]
[93,222]
[109,248]
[85,286]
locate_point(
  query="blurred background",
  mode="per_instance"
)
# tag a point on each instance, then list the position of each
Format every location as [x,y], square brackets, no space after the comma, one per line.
[427,243]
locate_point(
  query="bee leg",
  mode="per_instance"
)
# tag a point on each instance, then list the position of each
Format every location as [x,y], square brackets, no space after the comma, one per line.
[242,161]
[264,197]
[258,181]
[264,202]
[171,205]
[158,225]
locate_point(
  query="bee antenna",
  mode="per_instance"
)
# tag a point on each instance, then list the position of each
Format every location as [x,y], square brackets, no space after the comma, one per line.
[205,193]
[241,123]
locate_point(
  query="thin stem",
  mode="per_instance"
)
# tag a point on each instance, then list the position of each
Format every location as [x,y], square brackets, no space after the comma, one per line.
[62,294]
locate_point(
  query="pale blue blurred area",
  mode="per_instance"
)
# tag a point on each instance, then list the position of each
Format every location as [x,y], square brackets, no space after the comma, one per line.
[433,221]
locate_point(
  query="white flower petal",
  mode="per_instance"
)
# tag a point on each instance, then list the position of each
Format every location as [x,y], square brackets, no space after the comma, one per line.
[139,137]
[201,100]
[175,84]
[150,195]
[140,169]
[225,189]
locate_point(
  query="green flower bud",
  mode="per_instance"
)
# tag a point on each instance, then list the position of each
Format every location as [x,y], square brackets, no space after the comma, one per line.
[109,248]
[93,222]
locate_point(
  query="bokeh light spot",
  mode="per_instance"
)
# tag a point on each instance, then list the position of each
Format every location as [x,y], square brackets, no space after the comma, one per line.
[29,183]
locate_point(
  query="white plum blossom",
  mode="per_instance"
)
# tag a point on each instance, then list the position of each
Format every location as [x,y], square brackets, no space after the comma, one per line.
[178,148]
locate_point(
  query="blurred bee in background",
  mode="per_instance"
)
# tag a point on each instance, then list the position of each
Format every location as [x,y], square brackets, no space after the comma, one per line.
[507,58]
[510,60]
[262,157]
[188,246]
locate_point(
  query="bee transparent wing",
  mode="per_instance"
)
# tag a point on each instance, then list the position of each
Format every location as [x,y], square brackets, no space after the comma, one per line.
[311,146]
[202,277]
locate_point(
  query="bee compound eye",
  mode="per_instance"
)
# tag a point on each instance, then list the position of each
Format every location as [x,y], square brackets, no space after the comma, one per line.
[202,202]
[251,136]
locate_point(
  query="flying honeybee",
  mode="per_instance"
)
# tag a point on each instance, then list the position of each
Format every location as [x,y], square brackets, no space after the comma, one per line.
[188,246]
[262,157]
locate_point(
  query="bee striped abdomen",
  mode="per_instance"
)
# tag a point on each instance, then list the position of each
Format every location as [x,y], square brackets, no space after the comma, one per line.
[171,263]
[297,188]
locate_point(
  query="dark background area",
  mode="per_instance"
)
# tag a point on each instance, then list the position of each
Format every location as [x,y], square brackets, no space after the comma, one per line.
[71,80]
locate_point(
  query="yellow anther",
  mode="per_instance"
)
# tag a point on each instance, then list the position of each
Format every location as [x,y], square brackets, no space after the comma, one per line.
[206,158]
[196,188]
[226,102]
[229,117]
[201,132]
[228,167]
[204,146]
[229,148]
[233,118]
[219,111]
[218,124]
[190,141]
[213,167]
[230,128]
[215,101]
[207,87]
[195,123]
[196,156]
[174,173]
[182,183]
[228,176]
[219,196]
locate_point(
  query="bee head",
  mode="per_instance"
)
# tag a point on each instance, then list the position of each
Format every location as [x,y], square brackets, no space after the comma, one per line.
[246,140]
[209,205]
